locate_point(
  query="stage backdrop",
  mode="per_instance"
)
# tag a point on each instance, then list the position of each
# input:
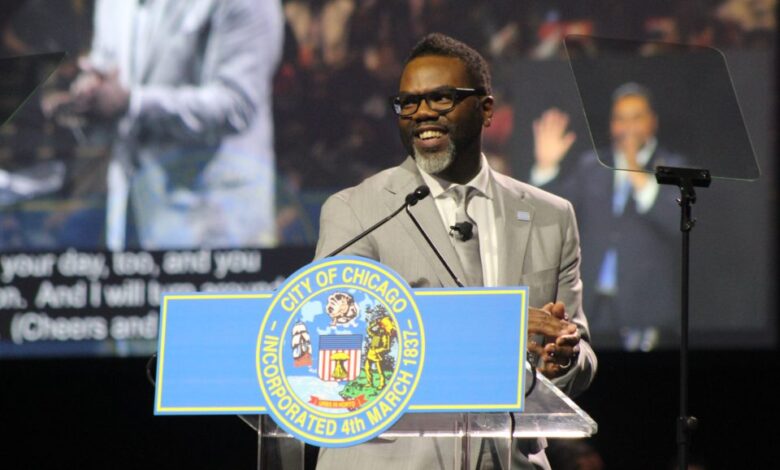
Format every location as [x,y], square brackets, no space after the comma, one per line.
[329,126]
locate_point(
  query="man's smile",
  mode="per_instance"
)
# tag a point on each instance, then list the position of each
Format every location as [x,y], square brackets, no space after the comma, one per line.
[431,138]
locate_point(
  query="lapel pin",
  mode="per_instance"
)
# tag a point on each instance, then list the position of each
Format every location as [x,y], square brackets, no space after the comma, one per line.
[524,216]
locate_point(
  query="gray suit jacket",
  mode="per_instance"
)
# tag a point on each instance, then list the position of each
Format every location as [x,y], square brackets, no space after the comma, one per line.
[541,252]
[197,141]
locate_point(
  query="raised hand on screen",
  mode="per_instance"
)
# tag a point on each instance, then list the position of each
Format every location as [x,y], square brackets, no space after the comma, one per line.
[552,139]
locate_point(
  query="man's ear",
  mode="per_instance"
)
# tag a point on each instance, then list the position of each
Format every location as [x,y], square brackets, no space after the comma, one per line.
[487,109]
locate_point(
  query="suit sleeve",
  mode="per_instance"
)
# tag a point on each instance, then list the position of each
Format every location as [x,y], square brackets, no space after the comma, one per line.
[339,224]
[579,378]
[242,49]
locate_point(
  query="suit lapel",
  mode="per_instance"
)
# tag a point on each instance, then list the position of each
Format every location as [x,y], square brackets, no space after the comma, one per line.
[166,18]
[514,216]
[402,182]
[158,19]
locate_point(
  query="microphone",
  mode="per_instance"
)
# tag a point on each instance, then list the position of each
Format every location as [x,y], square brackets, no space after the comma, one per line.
[433,247]
[421,192]
[464,229]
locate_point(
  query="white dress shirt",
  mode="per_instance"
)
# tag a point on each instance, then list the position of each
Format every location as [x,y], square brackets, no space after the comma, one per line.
[480,209]
[644,198]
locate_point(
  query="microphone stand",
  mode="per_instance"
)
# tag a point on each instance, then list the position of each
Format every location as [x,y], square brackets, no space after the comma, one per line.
[685,179]
[366,232]
[411,199]
[433,247]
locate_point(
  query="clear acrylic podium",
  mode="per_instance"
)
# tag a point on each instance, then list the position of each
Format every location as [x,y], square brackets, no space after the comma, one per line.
[459,440]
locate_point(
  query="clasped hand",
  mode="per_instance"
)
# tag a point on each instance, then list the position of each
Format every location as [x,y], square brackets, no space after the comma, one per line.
[561,338]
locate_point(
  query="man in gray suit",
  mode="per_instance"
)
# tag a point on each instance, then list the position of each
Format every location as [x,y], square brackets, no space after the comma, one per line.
[188,84]
[520,235]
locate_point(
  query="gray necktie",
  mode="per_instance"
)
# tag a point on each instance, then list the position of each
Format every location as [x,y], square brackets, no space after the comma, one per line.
[467,250]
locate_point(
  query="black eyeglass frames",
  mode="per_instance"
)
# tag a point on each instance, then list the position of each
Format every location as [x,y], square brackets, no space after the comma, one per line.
[441,100]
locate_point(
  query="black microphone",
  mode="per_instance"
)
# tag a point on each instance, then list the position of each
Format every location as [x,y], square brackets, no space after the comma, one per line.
[433,247]
[421,192]
[464,229]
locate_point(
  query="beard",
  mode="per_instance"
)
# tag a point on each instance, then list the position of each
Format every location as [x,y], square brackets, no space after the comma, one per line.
[435,162]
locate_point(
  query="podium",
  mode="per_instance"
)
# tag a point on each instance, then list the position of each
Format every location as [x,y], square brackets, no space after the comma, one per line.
[339,358]
[456,440]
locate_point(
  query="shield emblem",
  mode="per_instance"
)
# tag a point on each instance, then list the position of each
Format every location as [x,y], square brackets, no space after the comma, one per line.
[339,357]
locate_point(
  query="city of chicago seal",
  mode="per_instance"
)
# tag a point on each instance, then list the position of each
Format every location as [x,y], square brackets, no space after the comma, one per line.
[340,351]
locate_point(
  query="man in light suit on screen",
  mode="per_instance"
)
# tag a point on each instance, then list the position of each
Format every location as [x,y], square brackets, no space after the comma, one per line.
[189,86]
[520,234]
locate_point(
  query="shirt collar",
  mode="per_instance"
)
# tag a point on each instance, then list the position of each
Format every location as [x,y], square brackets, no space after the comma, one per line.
[642,157]
[481,182]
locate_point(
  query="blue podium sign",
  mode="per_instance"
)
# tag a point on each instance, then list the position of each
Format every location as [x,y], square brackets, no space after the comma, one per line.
[341,351]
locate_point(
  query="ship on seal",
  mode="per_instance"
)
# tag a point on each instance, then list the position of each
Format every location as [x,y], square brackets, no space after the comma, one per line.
[301,345]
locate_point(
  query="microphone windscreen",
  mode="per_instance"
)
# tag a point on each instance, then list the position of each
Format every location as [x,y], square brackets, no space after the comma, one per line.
[466,230]
[420,193]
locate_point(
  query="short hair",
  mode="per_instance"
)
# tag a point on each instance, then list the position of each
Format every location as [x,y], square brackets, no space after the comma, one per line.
[437,44]
[633,89]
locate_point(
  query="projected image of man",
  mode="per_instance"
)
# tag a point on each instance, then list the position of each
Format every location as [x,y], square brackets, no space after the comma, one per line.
[627,220]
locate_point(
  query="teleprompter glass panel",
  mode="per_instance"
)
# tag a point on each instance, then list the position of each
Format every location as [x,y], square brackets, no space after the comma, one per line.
[20,77]
[642,97]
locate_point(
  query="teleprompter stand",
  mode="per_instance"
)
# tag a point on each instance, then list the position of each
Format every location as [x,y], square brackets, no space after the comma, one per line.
[460,440]
[690,95]
[686,179]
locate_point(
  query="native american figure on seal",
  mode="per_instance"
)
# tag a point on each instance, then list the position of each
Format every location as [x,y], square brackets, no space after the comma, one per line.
[380,333]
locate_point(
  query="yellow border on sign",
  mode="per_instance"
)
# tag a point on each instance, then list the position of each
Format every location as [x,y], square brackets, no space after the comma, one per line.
[523,311]
[163,313]
[225,409]
[402,406]
[161,359]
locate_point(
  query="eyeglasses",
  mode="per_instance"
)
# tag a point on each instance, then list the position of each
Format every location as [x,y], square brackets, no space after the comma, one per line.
[441,100]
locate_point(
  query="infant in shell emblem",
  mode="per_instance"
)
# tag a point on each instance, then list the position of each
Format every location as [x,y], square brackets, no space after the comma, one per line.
[341,308]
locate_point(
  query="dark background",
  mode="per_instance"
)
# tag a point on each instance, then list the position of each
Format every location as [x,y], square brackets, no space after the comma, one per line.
[97,413]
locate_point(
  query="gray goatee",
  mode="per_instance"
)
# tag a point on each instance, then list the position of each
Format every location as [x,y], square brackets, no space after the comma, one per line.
[435,162]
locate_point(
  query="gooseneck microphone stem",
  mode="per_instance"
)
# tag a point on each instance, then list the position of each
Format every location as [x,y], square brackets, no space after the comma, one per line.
[367,231]
[433,247]
[411,199]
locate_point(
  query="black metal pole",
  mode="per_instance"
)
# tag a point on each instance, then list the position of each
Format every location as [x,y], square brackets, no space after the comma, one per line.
[686,224]
[685,179]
